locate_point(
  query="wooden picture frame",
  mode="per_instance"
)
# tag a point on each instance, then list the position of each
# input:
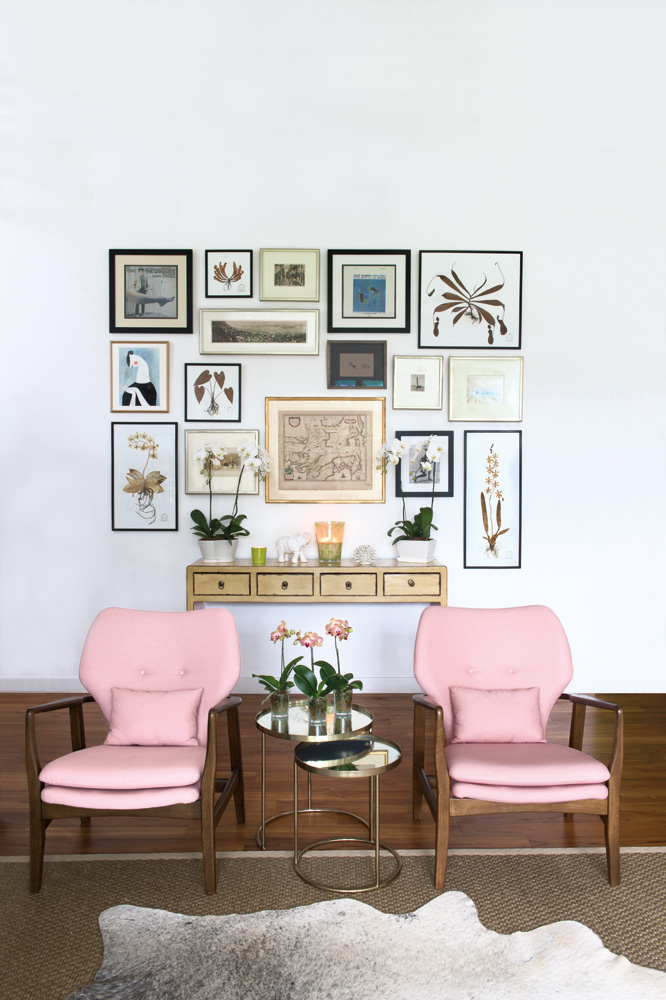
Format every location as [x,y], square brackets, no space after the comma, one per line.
[289,276]
[213,392]
[139,376]
[150,291]
[369,291]
[259,331]
[324,450]
[228,274]
[493,499]
[356,364]
[144,476]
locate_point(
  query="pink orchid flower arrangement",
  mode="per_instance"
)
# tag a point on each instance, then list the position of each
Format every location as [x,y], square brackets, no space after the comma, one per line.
[282,683]
[330,678]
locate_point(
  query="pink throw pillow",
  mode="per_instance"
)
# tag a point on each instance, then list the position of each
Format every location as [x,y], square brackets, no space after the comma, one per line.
[496,716]
[154,718]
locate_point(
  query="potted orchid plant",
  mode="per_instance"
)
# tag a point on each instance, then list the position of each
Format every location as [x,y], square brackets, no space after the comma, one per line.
[278,687]
[344,684]
[218,537]
[330,678]
[414,540]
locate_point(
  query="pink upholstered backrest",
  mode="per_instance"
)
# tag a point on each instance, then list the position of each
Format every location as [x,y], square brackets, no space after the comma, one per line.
[162,651]
[492,648]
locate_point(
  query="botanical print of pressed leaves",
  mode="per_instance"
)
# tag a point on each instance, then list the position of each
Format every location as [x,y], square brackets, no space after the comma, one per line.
[144,477]
[321,449]
[470,299]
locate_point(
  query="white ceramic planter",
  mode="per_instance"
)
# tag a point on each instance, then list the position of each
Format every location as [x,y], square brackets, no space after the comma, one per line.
[217,550]
[415,551]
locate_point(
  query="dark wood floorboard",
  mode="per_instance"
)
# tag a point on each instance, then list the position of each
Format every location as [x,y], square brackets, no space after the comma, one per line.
[643,795]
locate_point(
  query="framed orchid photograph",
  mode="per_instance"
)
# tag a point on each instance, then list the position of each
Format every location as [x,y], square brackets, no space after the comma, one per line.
[213,392]
[414,472]
[225,477]
[144,476]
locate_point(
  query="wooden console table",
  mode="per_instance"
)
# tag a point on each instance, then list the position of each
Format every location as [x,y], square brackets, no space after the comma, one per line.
[388,582]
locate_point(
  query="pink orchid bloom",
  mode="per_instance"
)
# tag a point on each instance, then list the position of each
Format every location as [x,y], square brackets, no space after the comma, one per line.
[280,632]
[338,628]
[310,639]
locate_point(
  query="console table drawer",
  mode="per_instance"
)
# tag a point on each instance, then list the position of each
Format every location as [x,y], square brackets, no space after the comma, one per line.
[412,584]
[285,585]
[229,584]
[353,585]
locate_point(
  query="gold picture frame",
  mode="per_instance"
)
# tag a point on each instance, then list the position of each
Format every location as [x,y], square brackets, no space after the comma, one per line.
[324,450]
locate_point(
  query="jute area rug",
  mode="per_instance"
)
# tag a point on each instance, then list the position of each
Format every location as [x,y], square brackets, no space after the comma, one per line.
[51,946]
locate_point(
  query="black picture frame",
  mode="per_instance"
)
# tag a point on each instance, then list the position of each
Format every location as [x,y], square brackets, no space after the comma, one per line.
[500,547]
[369,291]
[356,364]
[222,280]
[221,391]
[159,300]
[402,489]
[152,503]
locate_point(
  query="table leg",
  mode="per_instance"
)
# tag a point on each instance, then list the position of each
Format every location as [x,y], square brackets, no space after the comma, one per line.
[296,810]
[263,792]
[375,781]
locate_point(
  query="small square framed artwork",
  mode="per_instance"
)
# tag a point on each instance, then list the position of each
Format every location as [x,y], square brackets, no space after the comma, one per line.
[213,392]
[493,499]
[144,476]
[289,276]
[139,376]
[487,389]
[356,364]
[417,382]
[470,299]
[412,477]
[225,479]
[150,291]
[228,274]
[369,291]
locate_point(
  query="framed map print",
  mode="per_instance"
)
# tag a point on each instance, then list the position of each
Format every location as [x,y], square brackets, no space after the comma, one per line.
[323,450]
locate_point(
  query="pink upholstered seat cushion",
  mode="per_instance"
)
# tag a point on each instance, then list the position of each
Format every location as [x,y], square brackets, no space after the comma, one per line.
[154,718]
[526,765]
[107,767]
[108,798]
[496,716]
[521,794]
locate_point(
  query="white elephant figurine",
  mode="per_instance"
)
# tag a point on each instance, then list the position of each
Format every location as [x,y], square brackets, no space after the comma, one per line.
[293,545]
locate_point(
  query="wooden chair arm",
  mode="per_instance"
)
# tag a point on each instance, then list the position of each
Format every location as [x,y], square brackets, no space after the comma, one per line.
[580,703]
[52,706]
[231,702]
[586,699]
[229,705]
[426,701]
[76,728]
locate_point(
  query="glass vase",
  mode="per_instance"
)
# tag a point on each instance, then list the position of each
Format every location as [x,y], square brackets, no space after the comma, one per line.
[317,711]
[343,702]
[279,704]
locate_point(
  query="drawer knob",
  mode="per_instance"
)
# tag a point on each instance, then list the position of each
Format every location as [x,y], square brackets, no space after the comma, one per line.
[285,585]
[220,584]
[410,582]
[348,584]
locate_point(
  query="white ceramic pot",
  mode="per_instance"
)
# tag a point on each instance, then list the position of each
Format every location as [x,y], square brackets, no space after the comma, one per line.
[415,550]
[217,550]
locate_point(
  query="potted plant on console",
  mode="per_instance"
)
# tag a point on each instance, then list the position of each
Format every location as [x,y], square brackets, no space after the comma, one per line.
[414,542]
[218,537]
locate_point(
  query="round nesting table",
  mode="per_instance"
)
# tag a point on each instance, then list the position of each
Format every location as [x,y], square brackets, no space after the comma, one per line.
[297,728]
[363,756]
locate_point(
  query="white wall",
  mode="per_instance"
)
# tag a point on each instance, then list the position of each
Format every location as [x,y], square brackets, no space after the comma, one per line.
[364,123]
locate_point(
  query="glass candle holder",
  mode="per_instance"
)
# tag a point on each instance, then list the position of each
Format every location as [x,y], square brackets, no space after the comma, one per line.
[329,541]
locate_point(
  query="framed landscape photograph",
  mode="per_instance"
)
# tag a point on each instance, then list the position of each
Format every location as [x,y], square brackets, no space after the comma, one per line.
[486,389]
[323,450]
[228,274]
[213,392]
[411,479]
[289,275]
[144,476]
[470,299]
[140,376]
[493,499]
[225,479]
[259,331]
[369,291]
[417,382]
[356,364]
[150,291]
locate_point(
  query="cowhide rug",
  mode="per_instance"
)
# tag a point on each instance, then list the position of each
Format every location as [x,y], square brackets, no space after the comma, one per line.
[346,950]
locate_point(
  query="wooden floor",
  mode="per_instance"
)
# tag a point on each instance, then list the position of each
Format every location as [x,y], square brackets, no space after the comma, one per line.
[643,789]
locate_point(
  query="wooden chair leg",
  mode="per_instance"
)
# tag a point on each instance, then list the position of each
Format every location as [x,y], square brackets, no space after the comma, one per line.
[443,822]
[419,760]
[236,761]
[38,827]
[208,844]
[612,836]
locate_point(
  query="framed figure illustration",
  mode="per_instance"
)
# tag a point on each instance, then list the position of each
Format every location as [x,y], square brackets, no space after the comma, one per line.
[139,376]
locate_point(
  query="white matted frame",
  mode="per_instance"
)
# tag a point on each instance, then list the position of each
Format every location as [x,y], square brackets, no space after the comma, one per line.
[487,389]
[213,392]
[289,276]
[139,376]
[228,274]
[144,476]
[150,291]
[224,479]
[324,450]
[493,499]
[417,382]
[259,331]
[369,291]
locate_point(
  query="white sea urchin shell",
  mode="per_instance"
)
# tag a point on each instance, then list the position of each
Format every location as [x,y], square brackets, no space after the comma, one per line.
[365,555]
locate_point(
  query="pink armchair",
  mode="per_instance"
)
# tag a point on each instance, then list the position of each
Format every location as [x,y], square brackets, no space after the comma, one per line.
[491,678]
[161,680]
